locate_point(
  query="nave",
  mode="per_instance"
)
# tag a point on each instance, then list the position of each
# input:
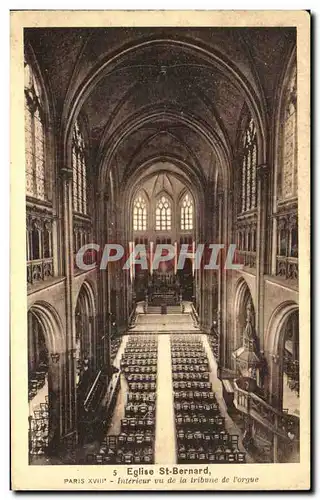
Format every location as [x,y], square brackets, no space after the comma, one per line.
[168,409]
[148,139]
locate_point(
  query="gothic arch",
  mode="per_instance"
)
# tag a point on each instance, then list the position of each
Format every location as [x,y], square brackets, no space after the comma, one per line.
[242,295]
[140,191]
[215,58]
[186,177]
[85,316]
[275,335]
[51,325]
[87,288]
[47,103]
[106,154]
[278,136]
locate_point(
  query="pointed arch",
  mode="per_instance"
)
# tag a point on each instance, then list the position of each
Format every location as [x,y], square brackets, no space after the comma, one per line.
[140,211]
[52,325]
[275,342]
[186,204]
[163,212]
[39,174]
[242,296]
[79,168]
[287,173]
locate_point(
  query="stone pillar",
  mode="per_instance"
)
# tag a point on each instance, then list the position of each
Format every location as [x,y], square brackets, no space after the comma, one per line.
[262,197]
[104,327]
[221,280]
[66,363]
[57,392]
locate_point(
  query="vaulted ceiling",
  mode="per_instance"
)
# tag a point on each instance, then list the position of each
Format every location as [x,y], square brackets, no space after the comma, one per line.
[157,94]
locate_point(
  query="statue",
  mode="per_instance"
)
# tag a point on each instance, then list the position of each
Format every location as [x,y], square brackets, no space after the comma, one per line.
[248,333]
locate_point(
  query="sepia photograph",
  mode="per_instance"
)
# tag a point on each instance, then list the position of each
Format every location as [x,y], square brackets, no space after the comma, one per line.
[160,220]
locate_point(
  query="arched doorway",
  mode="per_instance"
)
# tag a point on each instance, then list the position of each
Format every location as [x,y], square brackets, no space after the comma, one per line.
[290,364]
[84,327]
[86,362]
[38,391]
[242,301]
[45,348]
[283,340]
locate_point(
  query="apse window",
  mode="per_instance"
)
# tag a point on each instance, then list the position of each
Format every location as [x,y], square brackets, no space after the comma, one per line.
[187,213]
[289,130]
[139,214]
[163,215]
[249,166]
[34,135]
[79,168]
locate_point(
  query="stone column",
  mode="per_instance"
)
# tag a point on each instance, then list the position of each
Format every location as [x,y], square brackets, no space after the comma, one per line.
[262,197]
[220,277]
[104,327]
[57,391]
[66,360]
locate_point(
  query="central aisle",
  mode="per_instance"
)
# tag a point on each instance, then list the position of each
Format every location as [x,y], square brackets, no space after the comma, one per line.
[165,445]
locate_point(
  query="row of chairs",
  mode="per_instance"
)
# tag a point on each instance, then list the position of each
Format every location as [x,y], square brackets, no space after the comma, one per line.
[201,407]
[141,397]
[36,381]
[133,361]
[215,345]
[39,429]
[181,368]
[114,347]
[149,350]
[122,456]
[135,443]
[186,376]
[200,433]
[194,386]
[139,369]
[221,455]
[195,396]
[140,409]
[140,357]
[138,424]
[142,387]
[186,360]
[198,421]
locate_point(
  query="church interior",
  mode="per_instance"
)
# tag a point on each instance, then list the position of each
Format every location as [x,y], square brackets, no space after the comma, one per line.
[167,136]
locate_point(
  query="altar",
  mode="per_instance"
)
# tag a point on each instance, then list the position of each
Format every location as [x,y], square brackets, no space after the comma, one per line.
[163,289]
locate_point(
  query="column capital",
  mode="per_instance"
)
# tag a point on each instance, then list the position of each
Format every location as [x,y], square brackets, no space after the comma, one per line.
[262,170]
[66,173]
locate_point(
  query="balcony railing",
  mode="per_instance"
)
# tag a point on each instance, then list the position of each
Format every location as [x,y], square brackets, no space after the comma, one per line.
[278,422]
[39,270]
[287,267]
[248,259]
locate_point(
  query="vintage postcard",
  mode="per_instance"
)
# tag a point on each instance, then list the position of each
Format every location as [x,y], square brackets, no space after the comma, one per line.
[160,247]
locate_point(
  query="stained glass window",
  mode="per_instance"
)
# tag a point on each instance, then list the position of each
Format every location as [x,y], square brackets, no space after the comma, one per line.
[248,168]
[289,160]
[79,166]
[187,213]
[34,136]
[139,214]
[163,214]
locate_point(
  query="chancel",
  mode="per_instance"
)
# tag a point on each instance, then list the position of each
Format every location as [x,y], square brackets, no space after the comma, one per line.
[177,137]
